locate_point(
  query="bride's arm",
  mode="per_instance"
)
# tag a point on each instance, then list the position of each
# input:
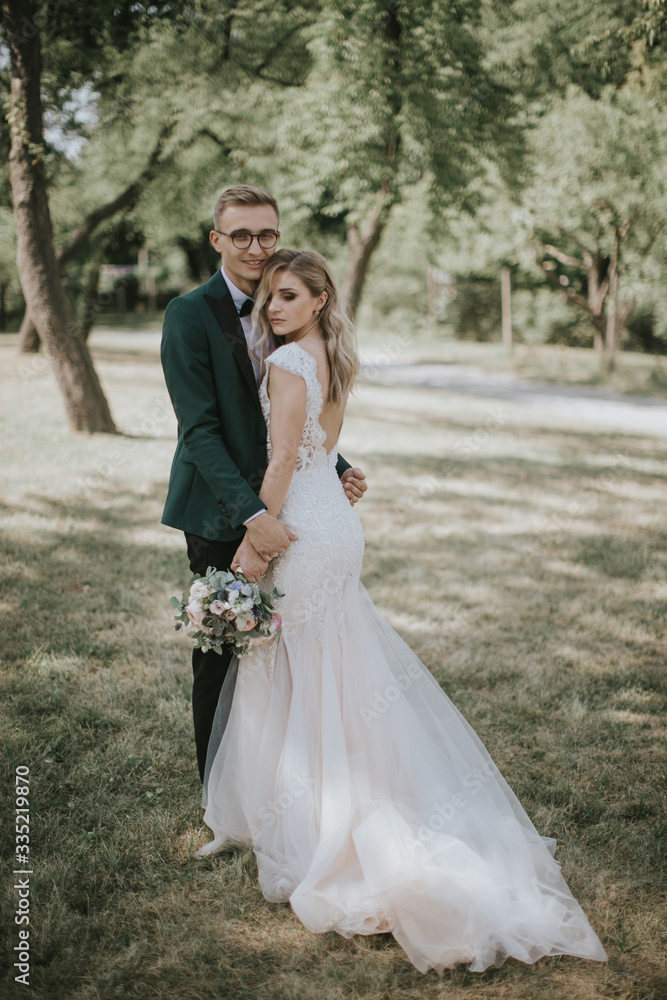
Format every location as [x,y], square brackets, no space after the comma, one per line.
[287,419]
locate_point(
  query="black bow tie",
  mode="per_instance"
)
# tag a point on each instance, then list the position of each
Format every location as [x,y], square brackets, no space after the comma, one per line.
[246,308]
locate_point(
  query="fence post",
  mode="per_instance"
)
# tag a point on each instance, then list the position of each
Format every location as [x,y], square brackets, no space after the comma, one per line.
[506,304]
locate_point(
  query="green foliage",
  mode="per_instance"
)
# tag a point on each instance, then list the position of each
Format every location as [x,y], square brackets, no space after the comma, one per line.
[542,48]
[595,169]
[598,164]
[501,125]
[398,93]
[396,295]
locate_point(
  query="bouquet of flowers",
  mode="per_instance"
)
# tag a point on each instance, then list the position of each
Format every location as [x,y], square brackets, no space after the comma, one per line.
[224,608]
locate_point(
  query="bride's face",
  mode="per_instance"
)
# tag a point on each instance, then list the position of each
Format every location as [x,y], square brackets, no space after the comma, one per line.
[292,308]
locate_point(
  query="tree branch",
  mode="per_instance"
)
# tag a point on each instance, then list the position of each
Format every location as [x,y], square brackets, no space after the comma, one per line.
[275,49]
[228,29]
[573,297]
[564,259]
[83,232]
[214,138]
[575,239]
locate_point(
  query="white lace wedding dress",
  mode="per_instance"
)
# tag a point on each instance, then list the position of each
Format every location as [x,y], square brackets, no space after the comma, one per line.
[369,801]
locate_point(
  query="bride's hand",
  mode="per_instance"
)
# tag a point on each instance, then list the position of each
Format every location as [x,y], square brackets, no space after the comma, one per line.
[269,536]
[248,559]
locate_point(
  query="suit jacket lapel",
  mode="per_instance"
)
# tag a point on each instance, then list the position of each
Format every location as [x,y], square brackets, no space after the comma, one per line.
[225,313]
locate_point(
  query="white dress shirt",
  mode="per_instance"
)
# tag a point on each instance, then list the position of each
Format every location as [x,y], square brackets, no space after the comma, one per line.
[251,335]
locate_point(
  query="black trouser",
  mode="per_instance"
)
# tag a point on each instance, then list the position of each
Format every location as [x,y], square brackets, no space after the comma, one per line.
[208,669]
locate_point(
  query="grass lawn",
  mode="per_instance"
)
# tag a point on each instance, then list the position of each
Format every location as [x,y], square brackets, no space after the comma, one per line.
[522,556]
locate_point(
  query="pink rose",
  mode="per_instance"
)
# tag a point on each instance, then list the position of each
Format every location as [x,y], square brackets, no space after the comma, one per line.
[217,607]
[252,621]
[195,613]
[276,623]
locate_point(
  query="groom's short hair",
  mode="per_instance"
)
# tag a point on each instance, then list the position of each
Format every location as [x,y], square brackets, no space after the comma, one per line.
[243,194]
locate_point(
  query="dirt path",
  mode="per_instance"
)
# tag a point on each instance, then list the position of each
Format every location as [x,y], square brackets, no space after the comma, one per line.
[593,406]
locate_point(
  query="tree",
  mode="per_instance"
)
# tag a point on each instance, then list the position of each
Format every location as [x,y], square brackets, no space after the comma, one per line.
[234,61]
[55,49]
[130,53]
[575,208]
[29,337]
[599,193]
[398,92]
[540,48]
[86,405]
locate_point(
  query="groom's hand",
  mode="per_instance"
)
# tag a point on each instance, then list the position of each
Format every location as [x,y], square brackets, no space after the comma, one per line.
[249,560]
[269,535]
[354,484]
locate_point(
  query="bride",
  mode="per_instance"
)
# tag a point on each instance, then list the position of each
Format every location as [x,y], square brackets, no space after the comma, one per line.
[370,803]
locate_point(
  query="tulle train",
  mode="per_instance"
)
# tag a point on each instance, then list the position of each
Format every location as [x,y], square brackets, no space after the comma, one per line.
[372,805]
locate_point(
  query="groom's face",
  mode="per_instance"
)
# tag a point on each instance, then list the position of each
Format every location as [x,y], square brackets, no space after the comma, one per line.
[244,267]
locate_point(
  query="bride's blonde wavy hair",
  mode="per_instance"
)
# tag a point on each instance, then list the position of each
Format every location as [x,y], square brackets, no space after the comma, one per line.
[337,330]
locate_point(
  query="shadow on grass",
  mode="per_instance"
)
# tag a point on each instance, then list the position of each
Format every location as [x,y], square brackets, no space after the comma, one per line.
[96,700]
[65,590]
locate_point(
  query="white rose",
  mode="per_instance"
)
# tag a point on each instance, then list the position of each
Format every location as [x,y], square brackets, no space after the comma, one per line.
[199,590]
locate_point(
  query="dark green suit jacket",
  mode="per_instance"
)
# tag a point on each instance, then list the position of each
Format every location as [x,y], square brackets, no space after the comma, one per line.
[220,457]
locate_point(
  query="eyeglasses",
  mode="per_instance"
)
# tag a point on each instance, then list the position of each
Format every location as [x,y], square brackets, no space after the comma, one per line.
[242,241]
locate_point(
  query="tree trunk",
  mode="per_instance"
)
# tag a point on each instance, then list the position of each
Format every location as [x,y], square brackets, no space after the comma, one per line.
[611,333]
[363,248]
[597,292]
[29,342]
[595,304]
[86,405]
[195,255]
[431,291]
[89,305]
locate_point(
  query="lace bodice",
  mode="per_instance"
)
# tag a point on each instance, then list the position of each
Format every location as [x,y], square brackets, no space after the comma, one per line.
[296,360]
[314,570]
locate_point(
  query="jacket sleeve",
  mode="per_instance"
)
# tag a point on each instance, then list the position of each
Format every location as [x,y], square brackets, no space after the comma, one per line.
[186,363]
[342,465]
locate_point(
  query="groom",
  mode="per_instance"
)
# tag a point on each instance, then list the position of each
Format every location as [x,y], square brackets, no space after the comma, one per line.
[220,458]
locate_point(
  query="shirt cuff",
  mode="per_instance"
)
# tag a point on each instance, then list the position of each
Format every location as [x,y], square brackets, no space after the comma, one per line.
[256,514]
